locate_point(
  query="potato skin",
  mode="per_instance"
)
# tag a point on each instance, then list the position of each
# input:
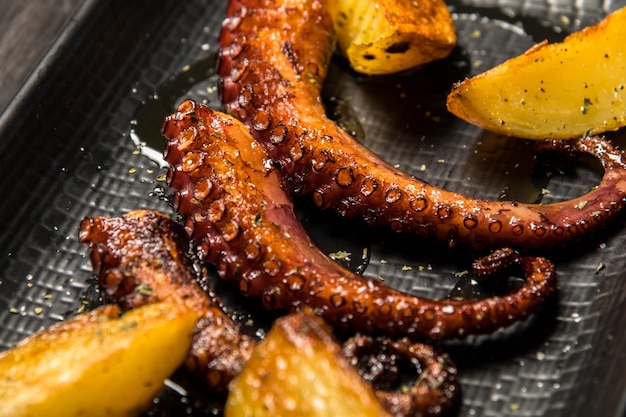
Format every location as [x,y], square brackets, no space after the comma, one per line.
[389,36]
[298,370]
[95,364]
[556,91]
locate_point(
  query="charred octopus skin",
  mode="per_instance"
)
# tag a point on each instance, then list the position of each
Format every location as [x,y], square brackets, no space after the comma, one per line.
[144,257]
[273,61]
[234,205]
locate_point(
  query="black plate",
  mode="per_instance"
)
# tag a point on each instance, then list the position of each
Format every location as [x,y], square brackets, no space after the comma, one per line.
[66,152]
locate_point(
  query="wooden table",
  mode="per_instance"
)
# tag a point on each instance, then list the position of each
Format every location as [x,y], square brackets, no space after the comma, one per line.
[27,30]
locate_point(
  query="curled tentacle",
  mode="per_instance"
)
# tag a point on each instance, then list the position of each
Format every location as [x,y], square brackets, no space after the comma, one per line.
[432,393]
[143,257]
[235,206]
[273,62]
[497,261]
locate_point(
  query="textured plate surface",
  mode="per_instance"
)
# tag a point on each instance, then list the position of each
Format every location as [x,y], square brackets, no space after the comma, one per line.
[67,152]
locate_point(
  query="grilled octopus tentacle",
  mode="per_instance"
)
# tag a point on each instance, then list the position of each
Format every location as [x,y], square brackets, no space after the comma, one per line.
[431,395]
[273,62]
[234,204]
[142,258]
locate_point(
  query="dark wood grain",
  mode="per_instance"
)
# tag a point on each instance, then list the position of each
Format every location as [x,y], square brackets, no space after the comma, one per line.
[27,31]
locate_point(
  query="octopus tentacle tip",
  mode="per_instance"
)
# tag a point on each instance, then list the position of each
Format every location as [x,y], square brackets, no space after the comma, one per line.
[433,393]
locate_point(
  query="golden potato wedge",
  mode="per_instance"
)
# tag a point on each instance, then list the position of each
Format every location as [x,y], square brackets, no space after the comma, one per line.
[298,370]
[96,364]
[389,36]
[559,91]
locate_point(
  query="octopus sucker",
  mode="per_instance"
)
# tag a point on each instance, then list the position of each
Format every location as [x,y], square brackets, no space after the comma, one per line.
[278,73]
[145,257]
[256,237]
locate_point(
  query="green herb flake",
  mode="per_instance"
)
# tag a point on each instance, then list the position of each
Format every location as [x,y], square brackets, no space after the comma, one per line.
[341,255]
[144,289]
[129,325]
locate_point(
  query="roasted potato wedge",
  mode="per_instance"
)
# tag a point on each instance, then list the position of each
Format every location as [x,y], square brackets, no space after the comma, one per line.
[558,91]
[389,36]
[96,364]
[298,370]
